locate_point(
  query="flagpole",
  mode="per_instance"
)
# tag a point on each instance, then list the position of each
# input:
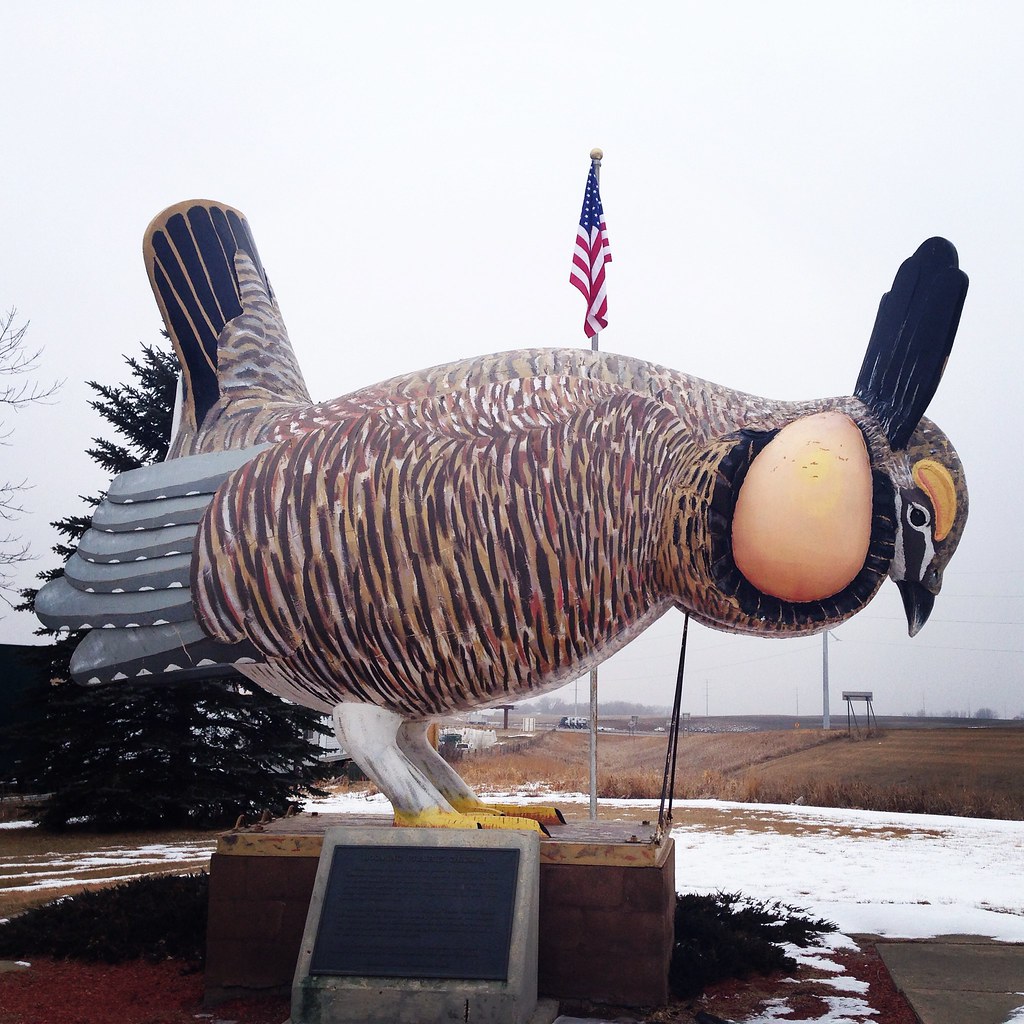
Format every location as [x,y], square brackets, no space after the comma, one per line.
[596,156]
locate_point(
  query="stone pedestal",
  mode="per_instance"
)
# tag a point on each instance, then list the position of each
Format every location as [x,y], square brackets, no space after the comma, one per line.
[607,900]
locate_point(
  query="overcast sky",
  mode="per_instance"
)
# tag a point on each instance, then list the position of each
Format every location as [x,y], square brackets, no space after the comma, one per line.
[413,174]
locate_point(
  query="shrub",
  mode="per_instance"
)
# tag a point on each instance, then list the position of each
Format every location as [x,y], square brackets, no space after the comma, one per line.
[152,918]
[731,936]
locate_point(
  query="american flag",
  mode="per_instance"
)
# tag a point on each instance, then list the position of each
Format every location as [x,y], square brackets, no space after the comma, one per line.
[592,252]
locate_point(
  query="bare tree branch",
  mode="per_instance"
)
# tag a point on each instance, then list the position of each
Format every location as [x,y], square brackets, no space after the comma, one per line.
[15,362]
[16,392]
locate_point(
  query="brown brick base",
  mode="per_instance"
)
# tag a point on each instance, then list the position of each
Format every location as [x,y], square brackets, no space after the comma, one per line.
[257,912]
[606,932]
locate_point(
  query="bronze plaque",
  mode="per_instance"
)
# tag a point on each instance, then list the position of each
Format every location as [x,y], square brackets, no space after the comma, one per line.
[417,912]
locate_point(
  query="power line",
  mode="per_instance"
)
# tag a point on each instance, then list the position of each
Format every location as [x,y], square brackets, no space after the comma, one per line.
[983,572]
[937,647]
[765,657]
[963,622]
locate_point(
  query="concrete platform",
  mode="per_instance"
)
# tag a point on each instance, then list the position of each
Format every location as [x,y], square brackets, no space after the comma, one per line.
[954,979]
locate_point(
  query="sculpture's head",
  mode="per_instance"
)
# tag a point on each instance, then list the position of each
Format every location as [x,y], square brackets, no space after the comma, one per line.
[792,527]
[930,511]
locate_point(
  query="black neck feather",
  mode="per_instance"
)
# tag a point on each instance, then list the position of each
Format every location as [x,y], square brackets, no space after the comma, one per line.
[912,337]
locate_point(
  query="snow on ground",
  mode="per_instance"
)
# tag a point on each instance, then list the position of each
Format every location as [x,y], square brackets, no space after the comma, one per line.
[897,875]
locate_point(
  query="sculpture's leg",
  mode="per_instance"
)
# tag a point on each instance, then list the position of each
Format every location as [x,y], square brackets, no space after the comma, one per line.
[412,738]
[370,735]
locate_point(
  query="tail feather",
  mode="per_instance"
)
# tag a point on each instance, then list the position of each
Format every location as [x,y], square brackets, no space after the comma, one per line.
[196,253]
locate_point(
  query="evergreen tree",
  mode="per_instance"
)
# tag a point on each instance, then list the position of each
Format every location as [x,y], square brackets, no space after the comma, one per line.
[130,755]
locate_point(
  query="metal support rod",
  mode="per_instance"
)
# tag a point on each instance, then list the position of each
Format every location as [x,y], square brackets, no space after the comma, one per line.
[677,711]
[668,782]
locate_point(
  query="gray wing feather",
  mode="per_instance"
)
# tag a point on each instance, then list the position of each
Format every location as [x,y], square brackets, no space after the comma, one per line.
[156,654]
[63,606]
[150,515]
[197,474]
[129,582]
[166,573]
[117,548]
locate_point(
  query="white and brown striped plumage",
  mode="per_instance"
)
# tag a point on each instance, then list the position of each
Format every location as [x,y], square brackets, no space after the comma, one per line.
[476,531]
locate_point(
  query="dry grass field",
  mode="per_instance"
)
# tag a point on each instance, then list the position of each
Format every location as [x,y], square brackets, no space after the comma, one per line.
[969,772]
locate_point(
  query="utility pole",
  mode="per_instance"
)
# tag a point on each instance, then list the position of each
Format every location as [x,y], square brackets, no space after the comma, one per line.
[826,722]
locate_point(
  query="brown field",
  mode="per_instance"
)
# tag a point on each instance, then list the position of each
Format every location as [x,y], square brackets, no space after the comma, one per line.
[968,772]
[37,867]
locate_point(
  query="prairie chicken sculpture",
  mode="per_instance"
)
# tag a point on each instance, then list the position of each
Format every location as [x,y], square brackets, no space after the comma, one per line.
[494,527]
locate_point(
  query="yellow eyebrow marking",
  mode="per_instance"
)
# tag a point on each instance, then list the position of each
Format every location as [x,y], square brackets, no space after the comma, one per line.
[933,478]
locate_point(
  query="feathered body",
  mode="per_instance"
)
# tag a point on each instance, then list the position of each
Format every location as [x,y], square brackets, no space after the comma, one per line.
[494,528]
[487,529]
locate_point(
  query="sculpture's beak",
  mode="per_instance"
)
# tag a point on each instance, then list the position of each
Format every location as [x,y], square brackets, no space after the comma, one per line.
[917,603]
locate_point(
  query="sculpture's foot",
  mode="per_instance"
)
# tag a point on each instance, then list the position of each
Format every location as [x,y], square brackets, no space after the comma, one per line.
[434,818]
[489,818]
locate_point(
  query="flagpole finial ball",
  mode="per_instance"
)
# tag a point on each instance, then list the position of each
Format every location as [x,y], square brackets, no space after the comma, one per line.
[596,154]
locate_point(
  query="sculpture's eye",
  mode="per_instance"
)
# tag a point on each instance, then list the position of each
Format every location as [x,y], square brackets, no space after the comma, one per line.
[918,516]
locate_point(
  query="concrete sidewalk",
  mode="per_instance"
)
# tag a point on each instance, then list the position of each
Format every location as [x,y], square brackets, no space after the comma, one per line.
[958,979]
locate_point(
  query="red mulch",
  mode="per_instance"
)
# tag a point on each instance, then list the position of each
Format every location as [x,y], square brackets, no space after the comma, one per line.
[71,992]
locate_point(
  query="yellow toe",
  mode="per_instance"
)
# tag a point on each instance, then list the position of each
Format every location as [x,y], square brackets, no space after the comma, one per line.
[433,818]
[488,819]
[538,812]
